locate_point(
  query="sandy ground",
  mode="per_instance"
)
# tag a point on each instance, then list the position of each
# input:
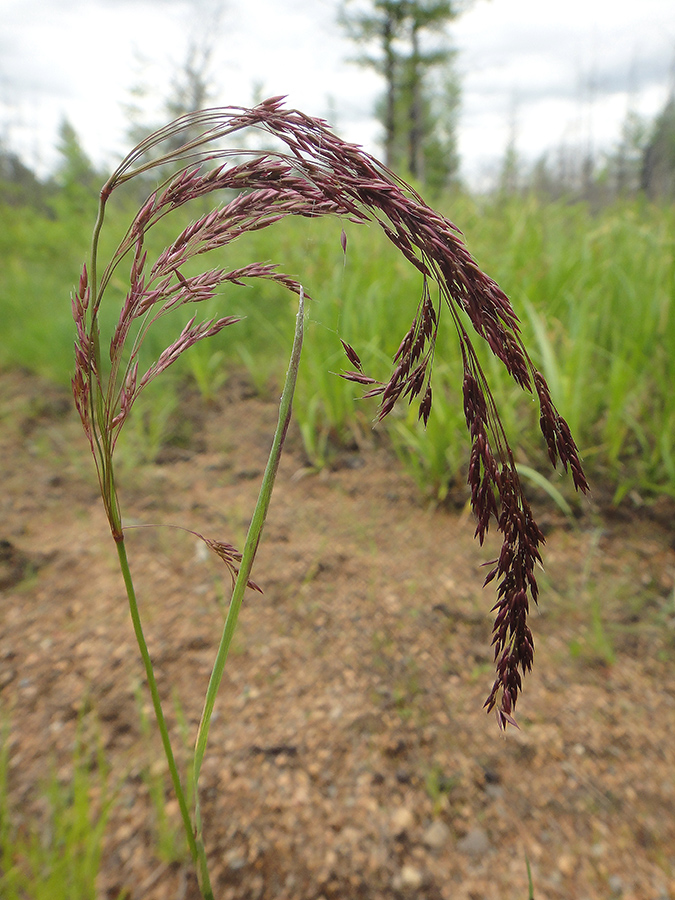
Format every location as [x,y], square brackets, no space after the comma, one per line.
[349,755]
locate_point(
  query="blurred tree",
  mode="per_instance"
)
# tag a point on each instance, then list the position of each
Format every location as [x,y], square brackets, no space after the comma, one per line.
[620,172]
[75,174]
[75,166]
[658,160]
[627,160]
[406,42]
[381,25]
[192,86]
[509,176]
[191,89]
[430,16]
[440,152]
[19,185]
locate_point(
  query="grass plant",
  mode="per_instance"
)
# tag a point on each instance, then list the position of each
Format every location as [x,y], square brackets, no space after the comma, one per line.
[169,836]
[595,288]
[61,856]
[311,174]
[598,293]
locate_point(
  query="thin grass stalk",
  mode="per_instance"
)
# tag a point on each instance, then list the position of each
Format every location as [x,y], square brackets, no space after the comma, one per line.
[250,548]
[530,882]
[196,849]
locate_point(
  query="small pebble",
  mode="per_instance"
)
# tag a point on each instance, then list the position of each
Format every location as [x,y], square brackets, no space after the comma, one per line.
[410,877]
[474,843]
[402,820]
[436,835]
[615,885]
[235,860]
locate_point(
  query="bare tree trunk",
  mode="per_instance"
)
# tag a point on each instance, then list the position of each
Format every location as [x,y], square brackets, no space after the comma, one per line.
[390,78]
[415,159]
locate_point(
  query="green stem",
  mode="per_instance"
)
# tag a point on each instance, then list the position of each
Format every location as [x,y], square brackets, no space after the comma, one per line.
[530,883]
[250,548]
[93,275]
[196,847]
[97,407]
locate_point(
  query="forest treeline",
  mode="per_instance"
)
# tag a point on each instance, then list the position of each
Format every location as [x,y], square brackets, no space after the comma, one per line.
[409,45]
[642,162]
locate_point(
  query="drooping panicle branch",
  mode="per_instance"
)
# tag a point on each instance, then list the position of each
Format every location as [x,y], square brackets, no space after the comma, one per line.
[311,172]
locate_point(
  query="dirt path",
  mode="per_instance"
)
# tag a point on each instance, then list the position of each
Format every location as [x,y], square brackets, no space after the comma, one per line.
[350,756]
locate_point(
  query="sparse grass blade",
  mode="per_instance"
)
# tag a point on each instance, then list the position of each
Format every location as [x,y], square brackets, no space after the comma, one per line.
[538,479]
[530,882]
[61,856]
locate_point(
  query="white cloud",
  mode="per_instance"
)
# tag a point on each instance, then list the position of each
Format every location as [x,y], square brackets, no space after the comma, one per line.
[553,69]
[562,72]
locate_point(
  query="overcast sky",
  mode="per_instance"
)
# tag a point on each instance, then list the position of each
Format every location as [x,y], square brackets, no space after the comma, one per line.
[550,73]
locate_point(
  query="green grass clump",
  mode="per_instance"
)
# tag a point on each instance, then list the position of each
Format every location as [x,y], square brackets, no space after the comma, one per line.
[58,857]
[594,291]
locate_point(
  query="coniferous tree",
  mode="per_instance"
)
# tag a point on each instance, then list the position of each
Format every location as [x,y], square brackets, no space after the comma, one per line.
[405,41]
[658,161]
[19,185]
[382,26]
[192,86]
[75,176]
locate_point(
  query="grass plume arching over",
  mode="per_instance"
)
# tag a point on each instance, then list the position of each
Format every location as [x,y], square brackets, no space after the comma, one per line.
[309,173]
[315,174]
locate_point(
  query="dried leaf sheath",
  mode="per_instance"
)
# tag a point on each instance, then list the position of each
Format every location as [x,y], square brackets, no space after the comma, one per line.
[314,173]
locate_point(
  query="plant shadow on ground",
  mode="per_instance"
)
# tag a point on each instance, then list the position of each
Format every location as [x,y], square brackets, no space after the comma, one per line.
[350,756]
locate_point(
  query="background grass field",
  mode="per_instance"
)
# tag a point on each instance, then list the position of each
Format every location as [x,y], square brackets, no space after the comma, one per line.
[594,291]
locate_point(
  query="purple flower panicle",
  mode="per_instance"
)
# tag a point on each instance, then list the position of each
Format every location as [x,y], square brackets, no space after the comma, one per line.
[312,173]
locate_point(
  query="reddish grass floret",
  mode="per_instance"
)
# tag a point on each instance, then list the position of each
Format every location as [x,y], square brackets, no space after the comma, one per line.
[314,173]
